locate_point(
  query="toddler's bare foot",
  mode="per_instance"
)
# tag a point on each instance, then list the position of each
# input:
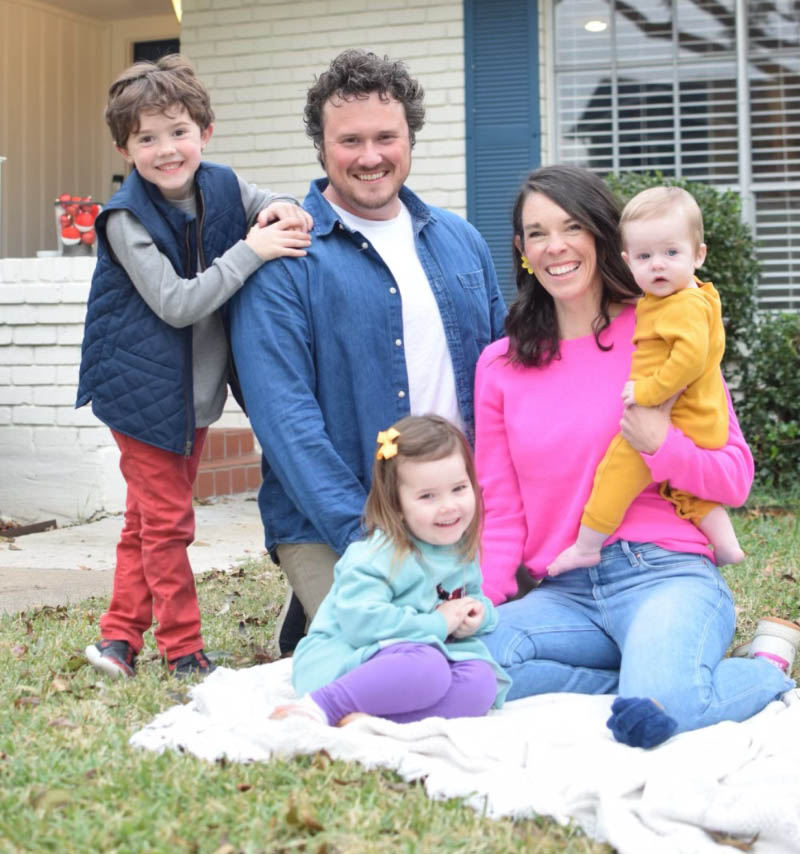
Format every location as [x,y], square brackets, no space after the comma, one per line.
[573,558]
[303,708]
[351,718]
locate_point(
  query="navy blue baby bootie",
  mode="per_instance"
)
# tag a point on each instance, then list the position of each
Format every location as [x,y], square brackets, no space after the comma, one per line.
[640,722]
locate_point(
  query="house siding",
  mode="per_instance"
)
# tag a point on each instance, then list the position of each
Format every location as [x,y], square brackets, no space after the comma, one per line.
[258,60]
[56,461]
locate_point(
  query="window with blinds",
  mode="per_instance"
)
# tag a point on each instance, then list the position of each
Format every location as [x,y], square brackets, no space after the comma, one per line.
[652,84]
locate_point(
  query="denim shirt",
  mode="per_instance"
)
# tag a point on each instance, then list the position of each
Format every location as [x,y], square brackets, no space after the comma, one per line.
[319,350]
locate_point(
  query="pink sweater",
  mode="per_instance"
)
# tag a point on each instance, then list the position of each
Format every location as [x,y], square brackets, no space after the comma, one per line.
[540,433]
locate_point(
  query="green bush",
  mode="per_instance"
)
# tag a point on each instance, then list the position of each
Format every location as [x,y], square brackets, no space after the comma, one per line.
[731,261]
[768,400]
[762,353]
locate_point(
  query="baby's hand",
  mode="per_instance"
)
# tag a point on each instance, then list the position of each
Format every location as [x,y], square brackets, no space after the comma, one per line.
[288,213]
[454,612]
[628,397]
[473,619]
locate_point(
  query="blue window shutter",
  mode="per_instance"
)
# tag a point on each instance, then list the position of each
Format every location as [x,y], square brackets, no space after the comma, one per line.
[502,115]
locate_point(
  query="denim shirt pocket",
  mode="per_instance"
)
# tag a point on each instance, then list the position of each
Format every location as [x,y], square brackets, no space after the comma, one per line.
[473,285]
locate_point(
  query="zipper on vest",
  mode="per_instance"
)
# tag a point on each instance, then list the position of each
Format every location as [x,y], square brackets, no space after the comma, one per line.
[187,450]
[188,249]
[199,221]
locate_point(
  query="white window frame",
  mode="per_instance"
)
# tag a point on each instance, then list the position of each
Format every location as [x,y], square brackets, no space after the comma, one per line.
[747,187]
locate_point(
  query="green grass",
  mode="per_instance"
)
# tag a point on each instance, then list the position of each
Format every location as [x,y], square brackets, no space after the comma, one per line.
[69,782]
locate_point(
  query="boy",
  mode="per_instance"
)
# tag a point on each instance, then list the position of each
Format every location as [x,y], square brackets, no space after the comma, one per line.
[173,246]
[679,340]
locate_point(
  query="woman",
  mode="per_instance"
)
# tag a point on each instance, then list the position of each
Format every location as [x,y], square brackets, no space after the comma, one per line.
[653,619]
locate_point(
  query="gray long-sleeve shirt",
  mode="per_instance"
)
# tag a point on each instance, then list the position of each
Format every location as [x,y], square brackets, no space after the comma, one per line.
[192,302]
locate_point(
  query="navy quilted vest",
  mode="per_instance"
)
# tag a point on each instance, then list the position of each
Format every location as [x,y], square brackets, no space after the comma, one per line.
[135,368]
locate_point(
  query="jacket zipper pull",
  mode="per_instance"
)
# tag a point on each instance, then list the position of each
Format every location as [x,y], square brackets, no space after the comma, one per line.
[188,450]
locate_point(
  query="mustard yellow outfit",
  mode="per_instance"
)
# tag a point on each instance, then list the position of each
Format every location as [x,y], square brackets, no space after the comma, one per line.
[679,341]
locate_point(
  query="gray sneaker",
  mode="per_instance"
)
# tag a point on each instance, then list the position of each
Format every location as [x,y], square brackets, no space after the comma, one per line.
[115,658]
[192,664]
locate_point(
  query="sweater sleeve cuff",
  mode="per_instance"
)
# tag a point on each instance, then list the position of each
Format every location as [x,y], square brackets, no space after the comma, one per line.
[663,461]
[242,259]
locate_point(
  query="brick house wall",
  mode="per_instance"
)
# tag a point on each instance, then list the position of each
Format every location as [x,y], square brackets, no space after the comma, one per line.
[57,461]
[259,58]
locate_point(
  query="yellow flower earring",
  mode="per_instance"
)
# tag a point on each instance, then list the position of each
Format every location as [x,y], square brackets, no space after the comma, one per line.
[526,265]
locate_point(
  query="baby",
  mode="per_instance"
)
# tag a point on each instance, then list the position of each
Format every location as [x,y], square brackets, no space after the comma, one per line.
[679,340]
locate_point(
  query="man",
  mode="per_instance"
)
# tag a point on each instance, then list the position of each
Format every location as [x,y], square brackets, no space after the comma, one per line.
[385,316]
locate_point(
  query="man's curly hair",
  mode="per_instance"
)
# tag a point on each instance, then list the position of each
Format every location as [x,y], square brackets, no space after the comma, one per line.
[357,74]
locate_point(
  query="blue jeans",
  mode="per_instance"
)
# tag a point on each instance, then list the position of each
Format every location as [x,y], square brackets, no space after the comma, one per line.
[644,622]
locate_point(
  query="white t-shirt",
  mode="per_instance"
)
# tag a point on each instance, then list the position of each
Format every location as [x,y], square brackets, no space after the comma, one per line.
[431,382]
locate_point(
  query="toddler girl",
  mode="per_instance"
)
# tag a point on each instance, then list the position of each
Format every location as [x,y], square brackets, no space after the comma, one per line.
[396,635]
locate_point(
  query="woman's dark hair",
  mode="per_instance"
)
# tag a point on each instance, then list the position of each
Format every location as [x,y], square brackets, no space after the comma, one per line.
[357,74]
[531,324]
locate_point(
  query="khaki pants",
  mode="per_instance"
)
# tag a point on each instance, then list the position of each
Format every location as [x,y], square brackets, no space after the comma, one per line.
[309,569]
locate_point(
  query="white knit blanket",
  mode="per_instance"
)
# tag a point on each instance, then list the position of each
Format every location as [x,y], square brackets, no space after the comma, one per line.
[551,755]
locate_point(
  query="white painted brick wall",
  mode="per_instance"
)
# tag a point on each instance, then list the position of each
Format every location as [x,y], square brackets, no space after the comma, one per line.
[258,58]
[55,461]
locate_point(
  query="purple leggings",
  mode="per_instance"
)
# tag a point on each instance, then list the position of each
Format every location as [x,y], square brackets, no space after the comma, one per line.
[407,682]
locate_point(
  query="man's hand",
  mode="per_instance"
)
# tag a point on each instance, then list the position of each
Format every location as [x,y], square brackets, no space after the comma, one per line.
[292,215]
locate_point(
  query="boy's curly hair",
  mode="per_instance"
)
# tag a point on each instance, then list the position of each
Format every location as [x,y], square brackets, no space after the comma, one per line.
[357,74]
[155,86]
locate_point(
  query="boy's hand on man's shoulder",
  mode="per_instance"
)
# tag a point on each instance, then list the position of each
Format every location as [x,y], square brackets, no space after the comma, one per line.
[286,212]
[281,238]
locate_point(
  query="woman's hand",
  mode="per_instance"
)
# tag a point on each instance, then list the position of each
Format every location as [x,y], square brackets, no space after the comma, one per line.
[645,427]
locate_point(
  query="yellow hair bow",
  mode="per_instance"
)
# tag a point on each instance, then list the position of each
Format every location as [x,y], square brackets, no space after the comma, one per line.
[388,446]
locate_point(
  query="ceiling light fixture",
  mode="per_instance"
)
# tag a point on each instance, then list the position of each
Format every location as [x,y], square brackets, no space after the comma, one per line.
[595,25]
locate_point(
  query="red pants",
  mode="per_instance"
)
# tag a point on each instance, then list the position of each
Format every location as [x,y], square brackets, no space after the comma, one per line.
[153,575]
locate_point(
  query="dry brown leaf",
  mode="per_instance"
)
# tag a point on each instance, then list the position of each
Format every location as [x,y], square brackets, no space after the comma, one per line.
[20,650]
[59,684]
[243,787]
[26,701]
[73,663]
[300,814]
[733,841]
[63,723]
[322,759]
[48,799]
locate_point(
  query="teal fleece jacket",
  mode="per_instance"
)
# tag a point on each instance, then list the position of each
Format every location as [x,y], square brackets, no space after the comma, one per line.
[373,604]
